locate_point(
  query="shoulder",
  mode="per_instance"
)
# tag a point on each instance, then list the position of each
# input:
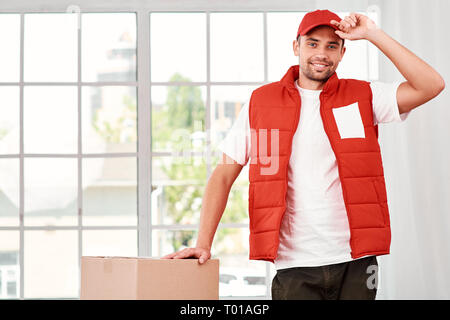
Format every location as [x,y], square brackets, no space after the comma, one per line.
[355,87]
[268,88]
[267,93]
[354,82]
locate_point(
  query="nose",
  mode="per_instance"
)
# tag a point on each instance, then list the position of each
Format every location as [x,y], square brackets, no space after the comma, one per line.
[321,58]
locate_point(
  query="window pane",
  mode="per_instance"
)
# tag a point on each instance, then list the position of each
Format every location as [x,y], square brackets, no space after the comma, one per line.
[9,192]
[109,119]
[51,264]
[51,47]
[281,31]
[237,50]
[226,104]
[9,120]
[50,192]
[168,241]
[110,243]
[178,117]
[108,46]
[10,53]
[175,33]
[177,189]
[272,273]
[355,62]
[110,191]
[239,276]
[50,119]
[236,210]
[9,265]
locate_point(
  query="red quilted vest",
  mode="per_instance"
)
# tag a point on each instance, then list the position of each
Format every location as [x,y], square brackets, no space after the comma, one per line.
[277,106]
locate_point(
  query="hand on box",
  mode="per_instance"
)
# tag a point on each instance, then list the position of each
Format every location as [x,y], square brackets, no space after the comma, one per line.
[200,253]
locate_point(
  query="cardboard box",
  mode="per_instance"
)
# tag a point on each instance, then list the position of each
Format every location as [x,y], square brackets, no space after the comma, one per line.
[140,278]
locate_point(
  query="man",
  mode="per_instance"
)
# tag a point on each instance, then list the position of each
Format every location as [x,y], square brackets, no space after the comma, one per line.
[317,197]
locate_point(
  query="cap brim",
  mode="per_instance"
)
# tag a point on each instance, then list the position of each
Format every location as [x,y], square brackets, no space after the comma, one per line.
[316,25]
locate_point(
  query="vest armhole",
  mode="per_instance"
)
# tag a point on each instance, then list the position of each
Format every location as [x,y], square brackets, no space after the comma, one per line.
[250,107]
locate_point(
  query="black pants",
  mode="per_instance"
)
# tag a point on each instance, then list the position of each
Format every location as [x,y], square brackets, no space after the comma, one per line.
[353,280]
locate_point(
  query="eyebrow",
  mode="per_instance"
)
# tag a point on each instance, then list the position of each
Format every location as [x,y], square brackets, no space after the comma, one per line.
[333,42]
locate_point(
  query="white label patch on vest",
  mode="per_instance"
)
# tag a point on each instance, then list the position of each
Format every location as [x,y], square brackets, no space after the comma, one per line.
[349,121]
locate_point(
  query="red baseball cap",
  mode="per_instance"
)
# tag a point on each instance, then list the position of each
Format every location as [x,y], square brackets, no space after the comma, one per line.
[317,18]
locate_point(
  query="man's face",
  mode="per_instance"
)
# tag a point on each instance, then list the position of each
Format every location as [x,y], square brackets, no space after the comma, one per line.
[320,46]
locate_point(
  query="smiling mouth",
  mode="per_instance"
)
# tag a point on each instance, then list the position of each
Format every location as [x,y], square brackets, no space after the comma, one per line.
[319,66]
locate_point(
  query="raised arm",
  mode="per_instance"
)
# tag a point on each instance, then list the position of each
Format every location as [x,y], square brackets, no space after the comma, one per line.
[423,83]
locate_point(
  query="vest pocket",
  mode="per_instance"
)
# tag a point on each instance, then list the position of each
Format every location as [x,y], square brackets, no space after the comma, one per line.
[349,122]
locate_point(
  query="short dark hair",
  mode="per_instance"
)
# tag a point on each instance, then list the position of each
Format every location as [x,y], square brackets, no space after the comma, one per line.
[343,41]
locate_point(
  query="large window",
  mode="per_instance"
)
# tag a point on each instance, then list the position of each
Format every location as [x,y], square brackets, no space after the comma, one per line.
[109,123]
[68,145]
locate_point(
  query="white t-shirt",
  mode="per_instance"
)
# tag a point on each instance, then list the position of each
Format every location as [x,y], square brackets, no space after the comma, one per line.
[314,230]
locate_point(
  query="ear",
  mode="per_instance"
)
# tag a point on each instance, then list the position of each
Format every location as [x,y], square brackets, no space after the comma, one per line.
[343,52]
[296,48]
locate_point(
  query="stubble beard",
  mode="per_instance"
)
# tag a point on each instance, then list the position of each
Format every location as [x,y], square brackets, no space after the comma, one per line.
[313,75]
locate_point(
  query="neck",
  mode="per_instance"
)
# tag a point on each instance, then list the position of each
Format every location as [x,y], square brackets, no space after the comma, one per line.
[306,83]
